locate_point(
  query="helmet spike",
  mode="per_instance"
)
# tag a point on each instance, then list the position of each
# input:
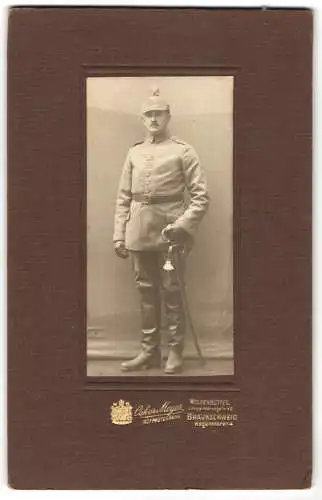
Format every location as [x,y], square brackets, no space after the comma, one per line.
[155,91]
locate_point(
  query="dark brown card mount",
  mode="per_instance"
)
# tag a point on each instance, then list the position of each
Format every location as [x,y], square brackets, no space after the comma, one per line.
[60,433]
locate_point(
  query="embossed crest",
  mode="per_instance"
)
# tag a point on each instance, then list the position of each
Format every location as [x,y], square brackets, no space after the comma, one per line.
[121,413]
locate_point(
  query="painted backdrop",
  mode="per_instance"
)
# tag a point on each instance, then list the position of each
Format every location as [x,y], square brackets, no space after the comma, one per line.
[202,116]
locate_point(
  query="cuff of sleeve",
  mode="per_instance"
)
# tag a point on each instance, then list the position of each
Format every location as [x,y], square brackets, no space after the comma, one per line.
[186,226]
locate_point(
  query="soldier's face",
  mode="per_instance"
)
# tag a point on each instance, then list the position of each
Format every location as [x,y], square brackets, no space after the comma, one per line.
[155,121]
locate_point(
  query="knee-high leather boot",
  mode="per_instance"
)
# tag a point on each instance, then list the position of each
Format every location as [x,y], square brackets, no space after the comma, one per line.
[175,317]
[146,278]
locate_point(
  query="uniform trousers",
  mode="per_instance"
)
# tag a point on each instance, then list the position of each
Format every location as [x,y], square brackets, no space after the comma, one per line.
[154,284]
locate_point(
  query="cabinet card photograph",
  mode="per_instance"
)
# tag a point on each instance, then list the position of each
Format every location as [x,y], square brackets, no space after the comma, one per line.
[159,168]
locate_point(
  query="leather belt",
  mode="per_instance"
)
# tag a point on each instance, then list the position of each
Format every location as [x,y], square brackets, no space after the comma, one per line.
[156,198]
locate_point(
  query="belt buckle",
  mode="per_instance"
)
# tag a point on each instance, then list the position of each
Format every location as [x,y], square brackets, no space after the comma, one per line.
[146,199]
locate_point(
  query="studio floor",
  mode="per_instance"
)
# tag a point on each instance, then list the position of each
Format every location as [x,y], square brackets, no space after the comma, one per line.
[192,367]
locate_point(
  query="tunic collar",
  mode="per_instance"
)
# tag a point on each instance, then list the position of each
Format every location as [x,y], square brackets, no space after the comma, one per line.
[157,139]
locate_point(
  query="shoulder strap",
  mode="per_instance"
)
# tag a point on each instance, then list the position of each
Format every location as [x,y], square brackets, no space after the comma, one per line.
[178,141]
[137,143]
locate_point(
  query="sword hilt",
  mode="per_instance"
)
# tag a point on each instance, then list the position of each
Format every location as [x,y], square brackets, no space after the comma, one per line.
[169,264]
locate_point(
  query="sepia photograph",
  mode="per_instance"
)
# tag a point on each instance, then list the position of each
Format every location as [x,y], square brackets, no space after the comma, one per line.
[159,168]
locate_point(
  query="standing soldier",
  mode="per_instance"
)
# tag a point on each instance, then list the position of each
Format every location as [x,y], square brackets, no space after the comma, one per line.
[150,205]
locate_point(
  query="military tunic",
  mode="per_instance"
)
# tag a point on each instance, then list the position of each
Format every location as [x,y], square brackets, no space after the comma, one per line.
[151,194]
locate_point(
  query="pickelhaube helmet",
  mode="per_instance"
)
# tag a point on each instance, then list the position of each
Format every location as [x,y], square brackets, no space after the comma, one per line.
[155,102]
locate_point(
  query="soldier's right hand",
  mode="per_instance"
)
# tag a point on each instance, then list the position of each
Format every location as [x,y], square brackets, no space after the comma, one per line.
[120,249]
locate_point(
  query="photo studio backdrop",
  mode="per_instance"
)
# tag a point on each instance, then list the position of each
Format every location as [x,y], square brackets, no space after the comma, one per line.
[202,115]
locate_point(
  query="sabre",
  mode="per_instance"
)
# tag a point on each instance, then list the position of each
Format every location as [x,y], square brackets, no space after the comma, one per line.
[171,265]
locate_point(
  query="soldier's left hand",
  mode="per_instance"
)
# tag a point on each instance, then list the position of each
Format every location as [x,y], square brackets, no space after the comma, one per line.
[176,235]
